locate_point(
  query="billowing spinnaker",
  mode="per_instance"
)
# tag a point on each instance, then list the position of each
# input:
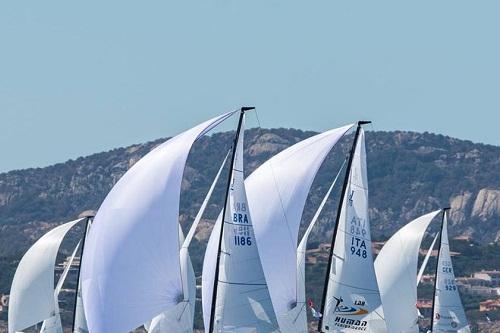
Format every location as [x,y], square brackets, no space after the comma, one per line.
[449,315]
[285,179]
[131,271]
[396,269]
[352,296]
[32,292]
[242,302]
[171,321]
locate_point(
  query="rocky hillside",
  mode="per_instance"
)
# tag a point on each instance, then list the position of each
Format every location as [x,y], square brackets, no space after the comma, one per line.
[409,174]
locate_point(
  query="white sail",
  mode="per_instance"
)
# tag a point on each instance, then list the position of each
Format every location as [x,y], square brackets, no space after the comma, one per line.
[168,321]
[285,179]
[352,296]
[80,319]
[426,259]
[243,303]
[449,314]
[179,319]
[53,324]
[32,291]
[396,269]
[131,271]
[301,308]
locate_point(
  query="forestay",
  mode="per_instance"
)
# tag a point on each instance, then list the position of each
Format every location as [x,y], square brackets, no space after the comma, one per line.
[352,296]
[396,269]
[426,259]
[242,301]
[449,315]
[32,292]
[132,267]
[285,179]
[300,317]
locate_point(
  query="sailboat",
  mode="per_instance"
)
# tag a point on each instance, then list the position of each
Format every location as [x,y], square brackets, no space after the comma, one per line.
[277,192]
[396,269]
[286,179]
[448,313]
[33,297]
[235,293]
[135,271]
[351,298]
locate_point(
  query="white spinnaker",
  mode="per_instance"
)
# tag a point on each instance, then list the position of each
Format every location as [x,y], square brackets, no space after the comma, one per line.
[131,271]
[243,302]
[32,290]
[53,324]
[180,318]
[352,296]
[169,321]
[449,314]
[396,269]
[426,259]
[301,314]
[285,179]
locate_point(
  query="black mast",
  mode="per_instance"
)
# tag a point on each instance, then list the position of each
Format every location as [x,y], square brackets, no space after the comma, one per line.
[341,203]
[230,176]
[437,267]
[88,217]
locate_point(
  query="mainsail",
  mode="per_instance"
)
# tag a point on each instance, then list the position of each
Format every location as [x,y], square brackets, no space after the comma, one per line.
[351,297]
[132,269]
[396,269]
[32,292]
[239,300]
[448,313]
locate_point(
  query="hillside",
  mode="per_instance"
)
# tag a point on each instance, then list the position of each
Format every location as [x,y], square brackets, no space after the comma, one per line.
[409,174]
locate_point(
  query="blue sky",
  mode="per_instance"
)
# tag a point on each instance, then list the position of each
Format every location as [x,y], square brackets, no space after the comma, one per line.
[82,77]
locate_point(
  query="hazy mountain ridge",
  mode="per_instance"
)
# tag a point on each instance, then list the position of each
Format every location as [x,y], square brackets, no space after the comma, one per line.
[409,174]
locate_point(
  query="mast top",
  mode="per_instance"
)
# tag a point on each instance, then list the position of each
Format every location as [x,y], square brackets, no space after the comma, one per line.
[247,108]
[87,213]
[446,208]
[364,122]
